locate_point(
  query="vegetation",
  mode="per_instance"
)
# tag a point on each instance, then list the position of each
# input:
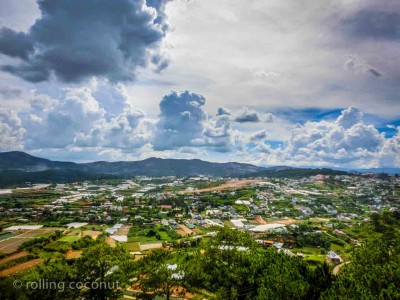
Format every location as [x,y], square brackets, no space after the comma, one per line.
[228,266]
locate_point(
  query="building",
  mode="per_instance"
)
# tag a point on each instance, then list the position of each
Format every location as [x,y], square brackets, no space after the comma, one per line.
[334,257]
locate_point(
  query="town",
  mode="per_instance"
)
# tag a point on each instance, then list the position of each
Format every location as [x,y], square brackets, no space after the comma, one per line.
[314,218]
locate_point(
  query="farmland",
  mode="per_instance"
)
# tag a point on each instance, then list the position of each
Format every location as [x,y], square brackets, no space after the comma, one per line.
[11,244]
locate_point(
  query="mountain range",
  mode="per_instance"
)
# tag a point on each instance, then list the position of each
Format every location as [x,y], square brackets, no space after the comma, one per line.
[153,167]
[18,167]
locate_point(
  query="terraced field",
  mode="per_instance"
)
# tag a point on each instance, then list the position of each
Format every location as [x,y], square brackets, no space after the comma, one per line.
[11,244]
[21,267]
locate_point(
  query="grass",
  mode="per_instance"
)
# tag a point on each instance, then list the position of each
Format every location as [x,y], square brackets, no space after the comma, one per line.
[141,239]
[315,258]
[240,207]
[69,239]
[45,235]
[75,231]
[134,246]
[95,227]
[228,224]
[164,236]
[337,248]
[48,255]
[308,250]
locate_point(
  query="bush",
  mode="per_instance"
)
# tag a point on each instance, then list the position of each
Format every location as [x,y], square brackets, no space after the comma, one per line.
[58,247]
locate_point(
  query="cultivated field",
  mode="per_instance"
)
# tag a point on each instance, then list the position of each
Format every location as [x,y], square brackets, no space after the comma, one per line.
[92,233]
[73,254]
[11,244]
[149,246]
[230,185]
[21,267]
[123,230]
[13,257]
[111,242]
[184,231]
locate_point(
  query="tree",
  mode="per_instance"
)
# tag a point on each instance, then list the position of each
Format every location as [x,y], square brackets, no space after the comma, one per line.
[104,270]
[57,274]
[158,275]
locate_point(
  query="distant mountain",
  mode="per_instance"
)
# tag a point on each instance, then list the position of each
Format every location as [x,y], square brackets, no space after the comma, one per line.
[17,160]
[171,167]
[9,178]
[19,167]
[149,167]
[288,172]
[390,171]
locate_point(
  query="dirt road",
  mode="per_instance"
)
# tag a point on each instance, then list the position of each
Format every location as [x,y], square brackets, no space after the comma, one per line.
[338,267]
[230,185]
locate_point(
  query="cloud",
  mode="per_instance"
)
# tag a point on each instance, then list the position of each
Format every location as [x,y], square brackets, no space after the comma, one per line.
[349,117]
[262,74]
[180,121]
[15,44]
[219,136]
[373,24]
[97,117]
[128,130]
[358,66]
[389,155]
[246,115]
[112,98]
[11,132]
[259,135]
[223,111]
[183,123]
[346,141]
[57,126]
[75,41]
[9,93]
[81,118]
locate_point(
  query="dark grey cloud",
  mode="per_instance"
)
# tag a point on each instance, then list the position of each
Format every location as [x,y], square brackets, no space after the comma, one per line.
[375,72]
[180,121]
[9,92]
[223,111]
[359,66]
[75,40]
[15,44]
[247,115]
[160,61]
[373,24]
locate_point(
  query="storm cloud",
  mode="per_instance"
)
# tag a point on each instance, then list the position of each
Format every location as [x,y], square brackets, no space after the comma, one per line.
[180,121]
[75,40]
[379,25]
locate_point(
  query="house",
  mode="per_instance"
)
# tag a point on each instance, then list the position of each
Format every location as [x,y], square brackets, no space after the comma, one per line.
[334,257]
[237,223]
[165,206]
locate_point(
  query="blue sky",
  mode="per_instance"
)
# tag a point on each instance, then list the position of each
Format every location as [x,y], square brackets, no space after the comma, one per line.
[265,82]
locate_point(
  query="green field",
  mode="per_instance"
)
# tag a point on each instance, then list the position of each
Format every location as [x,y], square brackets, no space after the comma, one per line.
[133,246]
[69,239]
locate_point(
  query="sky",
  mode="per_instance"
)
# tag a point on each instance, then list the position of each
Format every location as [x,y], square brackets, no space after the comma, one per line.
[295,82]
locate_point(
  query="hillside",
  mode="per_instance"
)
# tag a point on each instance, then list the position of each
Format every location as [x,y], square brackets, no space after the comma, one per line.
[149,167]
[19,167]
[17,160]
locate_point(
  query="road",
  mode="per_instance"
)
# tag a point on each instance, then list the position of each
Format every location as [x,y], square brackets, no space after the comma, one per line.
[338,267]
